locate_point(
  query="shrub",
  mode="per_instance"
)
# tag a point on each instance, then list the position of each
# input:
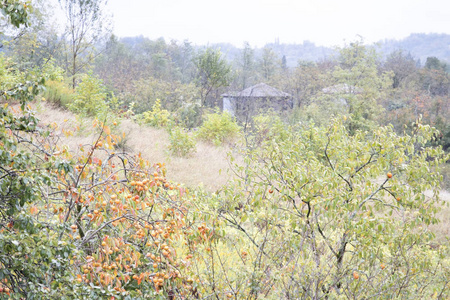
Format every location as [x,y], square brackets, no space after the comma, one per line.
[90,96]
[181,143]
[218,128]
[157,117]
[445,171]
[267,127]
[189,115]
[57,92]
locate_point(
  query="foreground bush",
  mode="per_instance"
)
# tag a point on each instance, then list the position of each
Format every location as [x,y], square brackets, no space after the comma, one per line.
[98,224]
[324,214]
[88,223]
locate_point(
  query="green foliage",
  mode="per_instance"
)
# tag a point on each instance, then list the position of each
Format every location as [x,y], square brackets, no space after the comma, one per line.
[218,128]
[324,213]
[213,72]
[189,115]
[59,93]
[181,143]
[355,87]
[360,85]
[446,176]
[269,64]
[433,63]
[16,11]
[52,71]
[157,117]
[90,97]
[31,257]
[269,127]
[8,78]
[35,253]
[172,94]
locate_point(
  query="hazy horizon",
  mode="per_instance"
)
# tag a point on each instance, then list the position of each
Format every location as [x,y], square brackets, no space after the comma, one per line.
[323,22]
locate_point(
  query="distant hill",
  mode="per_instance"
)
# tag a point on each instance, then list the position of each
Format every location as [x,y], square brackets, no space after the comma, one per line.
[294,53]
[419,45]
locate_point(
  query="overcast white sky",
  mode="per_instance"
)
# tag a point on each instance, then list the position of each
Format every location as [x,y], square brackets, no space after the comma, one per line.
[324,22]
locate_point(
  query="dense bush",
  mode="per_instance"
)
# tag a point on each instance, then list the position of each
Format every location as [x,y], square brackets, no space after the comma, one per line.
[172,95]
[218,128]
[157,117]
[268,126]
[189,115]
[90,97]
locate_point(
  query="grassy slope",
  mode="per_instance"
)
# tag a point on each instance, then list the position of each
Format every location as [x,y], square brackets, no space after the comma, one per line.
[207,167]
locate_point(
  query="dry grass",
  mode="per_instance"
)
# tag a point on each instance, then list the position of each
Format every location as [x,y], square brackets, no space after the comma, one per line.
[208,167]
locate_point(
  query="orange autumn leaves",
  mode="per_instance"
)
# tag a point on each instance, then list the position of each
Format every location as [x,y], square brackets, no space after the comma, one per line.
[124,215]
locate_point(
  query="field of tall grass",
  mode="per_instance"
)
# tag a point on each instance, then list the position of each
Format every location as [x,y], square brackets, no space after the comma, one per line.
[207,167]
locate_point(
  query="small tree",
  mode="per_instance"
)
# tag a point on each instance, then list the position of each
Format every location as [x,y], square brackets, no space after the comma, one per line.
[269,64]
[86,26]
[90,96]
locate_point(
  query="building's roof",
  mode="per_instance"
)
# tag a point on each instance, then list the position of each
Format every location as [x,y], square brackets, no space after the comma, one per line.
[260,90]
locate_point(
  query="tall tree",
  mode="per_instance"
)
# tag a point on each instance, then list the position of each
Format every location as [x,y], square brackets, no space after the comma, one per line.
[403,66]
[268,64]
[213,72]
[360,84]
[118,66]
[86,26]
[434,79]
[246,65]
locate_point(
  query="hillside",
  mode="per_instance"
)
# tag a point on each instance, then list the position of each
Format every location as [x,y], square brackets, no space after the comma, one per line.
[421,46]
[207,167]
[300,190]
